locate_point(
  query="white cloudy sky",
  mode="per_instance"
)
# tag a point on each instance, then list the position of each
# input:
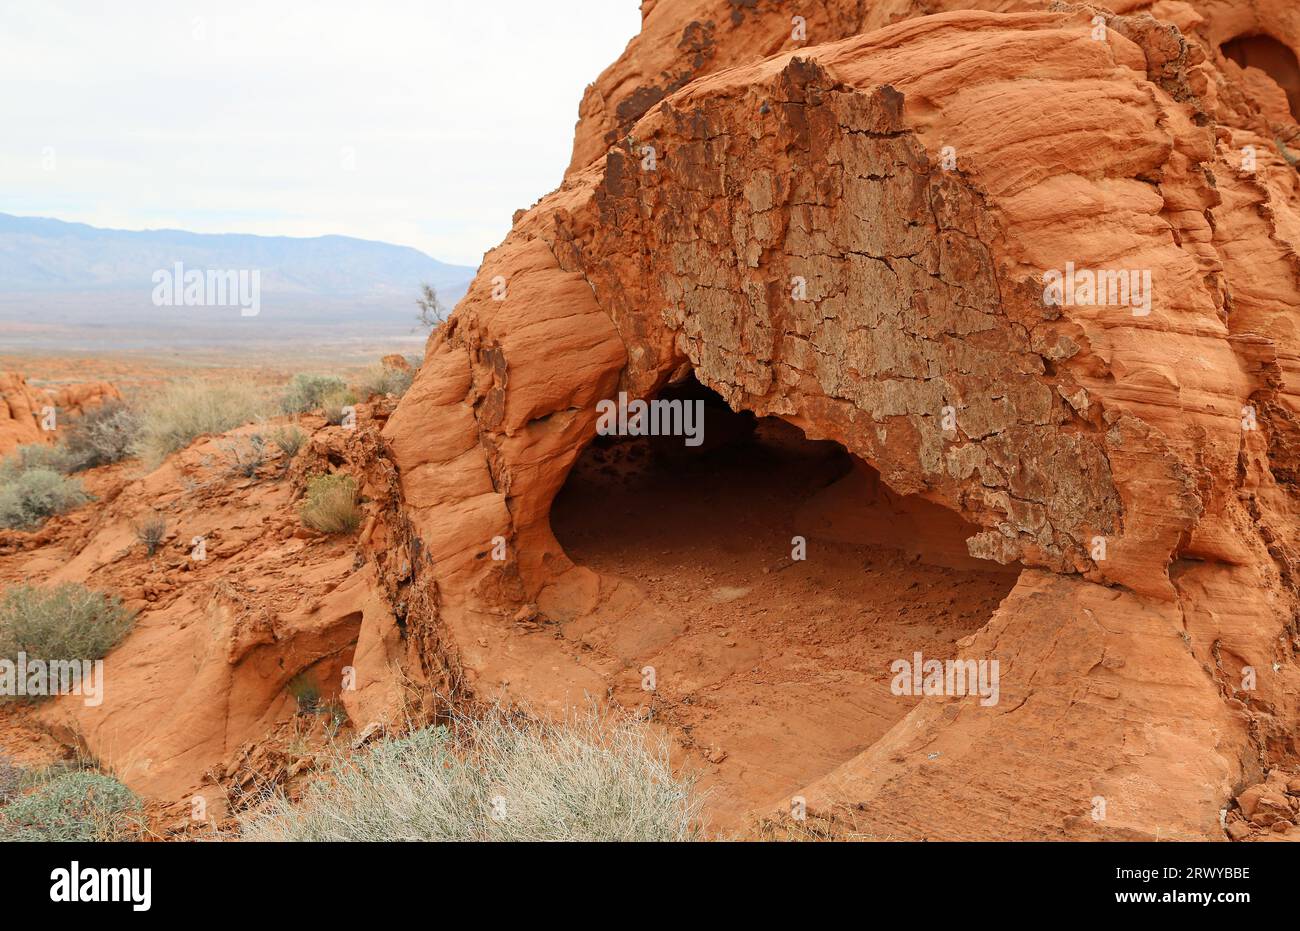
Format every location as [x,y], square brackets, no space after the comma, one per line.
[421,122]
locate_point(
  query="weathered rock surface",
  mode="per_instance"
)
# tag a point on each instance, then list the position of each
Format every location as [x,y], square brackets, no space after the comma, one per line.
[241,612]
[859,237]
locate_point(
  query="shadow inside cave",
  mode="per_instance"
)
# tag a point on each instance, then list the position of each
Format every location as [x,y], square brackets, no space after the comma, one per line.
[776,666]
[1272,57]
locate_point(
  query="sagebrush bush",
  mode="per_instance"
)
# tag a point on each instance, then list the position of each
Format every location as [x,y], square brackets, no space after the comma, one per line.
[499,777]
[102,435]
[64,622]
[330,504]
[307,392]
[385,380]
[31,496]
[32,457]
[184,411]
[76,806]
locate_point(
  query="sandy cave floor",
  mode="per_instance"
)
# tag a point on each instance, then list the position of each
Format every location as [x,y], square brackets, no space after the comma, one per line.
[771,671]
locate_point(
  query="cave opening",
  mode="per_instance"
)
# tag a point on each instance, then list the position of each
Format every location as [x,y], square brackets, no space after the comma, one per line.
[1274,58]
[772,659]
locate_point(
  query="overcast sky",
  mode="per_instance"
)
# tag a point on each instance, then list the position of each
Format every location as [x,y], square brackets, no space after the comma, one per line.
[420,122]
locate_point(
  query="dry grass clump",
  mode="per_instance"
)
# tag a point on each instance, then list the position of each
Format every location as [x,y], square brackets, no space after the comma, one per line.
[497,777]
[307,392]
[386,380]
[336,405]
[151,530]
[184,411]
[289,440]
[244,455]
[330,504]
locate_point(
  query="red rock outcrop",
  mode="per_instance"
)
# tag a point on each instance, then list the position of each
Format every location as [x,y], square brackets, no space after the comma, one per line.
[240,606]
[22,408]
[79,398]
[20,413]
[862,235]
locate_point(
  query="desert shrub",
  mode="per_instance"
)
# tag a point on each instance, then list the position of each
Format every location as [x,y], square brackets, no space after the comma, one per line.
[289,439]
[335,404]
[151,530]
[102,435]
[67,621]
[245,454]
[184,411]
[30,496]
[431,314]
[32,457]
[499,777]
[330,504]
[76,806]
[385,380]
[308,392]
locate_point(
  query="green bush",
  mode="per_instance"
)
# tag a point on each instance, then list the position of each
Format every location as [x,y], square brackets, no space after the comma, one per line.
[77,806]
[64,622]
[495,778]
[31,496]
[184,411]
[308,392]
[102,435]
[330,504]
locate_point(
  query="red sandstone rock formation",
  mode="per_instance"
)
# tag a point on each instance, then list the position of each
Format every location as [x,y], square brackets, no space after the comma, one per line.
[858,234]
[852,233]
[22,407]
[20,413]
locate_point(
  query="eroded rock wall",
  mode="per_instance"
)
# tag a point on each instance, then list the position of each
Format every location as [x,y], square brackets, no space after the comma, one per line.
[858,237]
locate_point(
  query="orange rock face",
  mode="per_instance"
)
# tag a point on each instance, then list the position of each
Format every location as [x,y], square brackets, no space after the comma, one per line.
[1037,268]
[20,413]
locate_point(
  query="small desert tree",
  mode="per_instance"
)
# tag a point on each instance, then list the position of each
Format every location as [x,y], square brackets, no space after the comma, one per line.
[432,314]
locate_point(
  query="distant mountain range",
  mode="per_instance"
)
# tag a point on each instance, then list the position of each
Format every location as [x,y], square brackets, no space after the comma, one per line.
[69,283]
[38,254]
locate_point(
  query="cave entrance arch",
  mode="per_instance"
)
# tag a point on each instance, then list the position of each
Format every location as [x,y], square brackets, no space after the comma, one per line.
[775,669]
[1274,58]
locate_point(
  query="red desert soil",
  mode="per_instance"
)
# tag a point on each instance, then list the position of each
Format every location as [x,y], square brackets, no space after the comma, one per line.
[774,670]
